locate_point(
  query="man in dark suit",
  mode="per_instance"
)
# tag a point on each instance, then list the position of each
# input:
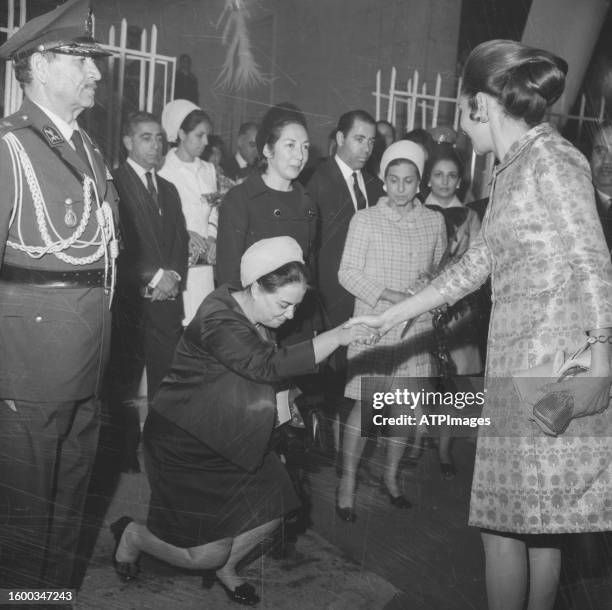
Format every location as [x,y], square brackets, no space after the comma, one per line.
[56,252]
[340,187]
[152,268]
[244,161]
[601,168]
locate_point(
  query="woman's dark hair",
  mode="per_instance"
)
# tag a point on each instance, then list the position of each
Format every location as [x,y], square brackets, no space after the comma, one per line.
[422,137]
[272,125]
[193,119]
[399,161]
[443,152]
[214,141]
[289,273]
[524,80]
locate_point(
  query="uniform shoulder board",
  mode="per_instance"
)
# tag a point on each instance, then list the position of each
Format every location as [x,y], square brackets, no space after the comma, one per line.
[19,120]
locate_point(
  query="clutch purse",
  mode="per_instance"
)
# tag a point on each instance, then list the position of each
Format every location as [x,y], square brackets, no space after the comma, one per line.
[552,411]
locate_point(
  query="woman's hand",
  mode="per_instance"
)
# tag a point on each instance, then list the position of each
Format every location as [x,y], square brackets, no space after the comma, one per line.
[211,252]
[590,393]
[377,324]
[356,334]
[197,247]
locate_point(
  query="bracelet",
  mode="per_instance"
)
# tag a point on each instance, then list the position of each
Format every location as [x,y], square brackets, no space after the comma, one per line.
[599,339]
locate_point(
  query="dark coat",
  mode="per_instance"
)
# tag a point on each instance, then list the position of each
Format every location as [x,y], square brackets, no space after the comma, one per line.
[150,241]
[54,340]
[233,171]
[222,384]
[331,194]
[250,212]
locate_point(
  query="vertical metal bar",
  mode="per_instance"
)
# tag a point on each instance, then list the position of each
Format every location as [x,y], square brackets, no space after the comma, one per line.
[120,88]
[391,94]
[151,83]
[436,106]
[377,113]
[142,72]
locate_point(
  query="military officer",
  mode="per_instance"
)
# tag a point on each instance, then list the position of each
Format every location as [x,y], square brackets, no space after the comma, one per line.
[56,253]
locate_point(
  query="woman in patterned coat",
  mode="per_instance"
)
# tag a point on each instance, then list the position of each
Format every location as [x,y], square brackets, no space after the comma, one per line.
[551,278]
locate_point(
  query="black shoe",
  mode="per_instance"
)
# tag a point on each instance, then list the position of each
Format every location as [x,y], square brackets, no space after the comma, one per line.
[243,594]
[448,470]
[398,501]
[125,570]
[346,513]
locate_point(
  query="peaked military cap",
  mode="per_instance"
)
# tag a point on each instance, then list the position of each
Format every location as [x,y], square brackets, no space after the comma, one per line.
[66,29]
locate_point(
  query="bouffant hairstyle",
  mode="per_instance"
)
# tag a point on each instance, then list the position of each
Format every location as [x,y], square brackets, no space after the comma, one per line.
[444,152]
[524,80]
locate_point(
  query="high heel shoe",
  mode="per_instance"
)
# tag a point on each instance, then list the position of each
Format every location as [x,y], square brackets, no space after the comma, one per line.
[398,501]
[243,594]
[346,513]
[126,570]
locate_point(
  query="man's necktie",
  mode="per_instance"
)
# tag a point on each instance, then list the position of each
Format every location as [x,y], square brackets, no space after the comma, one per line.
[79,147]
[359,196]
[152,190]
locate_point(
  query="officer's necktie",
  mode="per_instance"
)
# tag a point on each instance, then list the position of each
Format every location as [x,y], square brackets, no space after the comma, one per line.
[359,196]
[79,147]
[152,191]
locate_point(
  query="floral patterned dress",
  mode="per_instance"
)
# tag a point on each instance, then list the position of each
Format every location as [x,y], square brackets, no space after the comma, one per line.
[551,277]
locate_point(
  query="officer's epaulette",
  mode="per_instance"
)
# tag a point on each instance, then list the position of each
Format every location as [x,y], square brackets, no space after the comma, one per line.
[19,120]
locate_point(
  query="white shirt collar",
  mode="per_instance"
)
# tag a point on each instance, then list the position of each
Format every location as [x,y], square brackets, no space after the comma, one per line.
[347,172]
[240,160]
[454,202]
[64,128]
[141,171]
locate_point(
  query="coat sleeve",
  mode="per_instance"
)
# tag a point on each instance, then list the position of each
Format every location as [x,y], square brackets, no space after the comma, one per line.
[566,189]
[240,348]
[351,273]
[467,275]
[231,236]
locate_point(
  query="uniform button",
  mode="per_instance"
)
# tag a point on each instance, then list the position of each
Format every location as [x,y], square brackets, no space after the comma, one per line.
[38,319]
[277,212]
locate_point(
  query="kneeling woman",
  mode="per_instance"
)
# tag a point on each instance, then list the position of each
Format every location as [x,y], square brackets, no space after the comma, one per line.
[216,490]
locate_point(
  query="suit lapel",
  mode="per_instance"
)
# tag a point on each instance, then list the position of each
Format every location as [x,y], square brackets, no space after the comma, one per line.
[141,200]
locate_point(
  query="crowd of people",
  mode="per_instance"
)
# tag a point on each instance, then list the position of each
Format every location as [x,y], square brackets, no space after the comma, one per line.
[235,279]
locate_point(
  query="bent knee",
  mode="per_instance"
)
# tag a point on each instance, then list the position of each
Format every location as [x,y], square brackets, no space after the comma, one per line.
[211,555]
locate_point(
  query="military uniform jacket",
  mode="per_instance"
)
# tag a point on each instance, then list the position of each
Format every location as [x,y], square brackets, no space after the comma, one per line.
[54,340]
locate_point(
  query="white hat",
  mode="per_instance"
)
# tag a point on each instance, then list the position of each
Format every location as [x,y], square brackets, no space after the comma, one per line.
[173,115]
[267,255]
[403,149]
